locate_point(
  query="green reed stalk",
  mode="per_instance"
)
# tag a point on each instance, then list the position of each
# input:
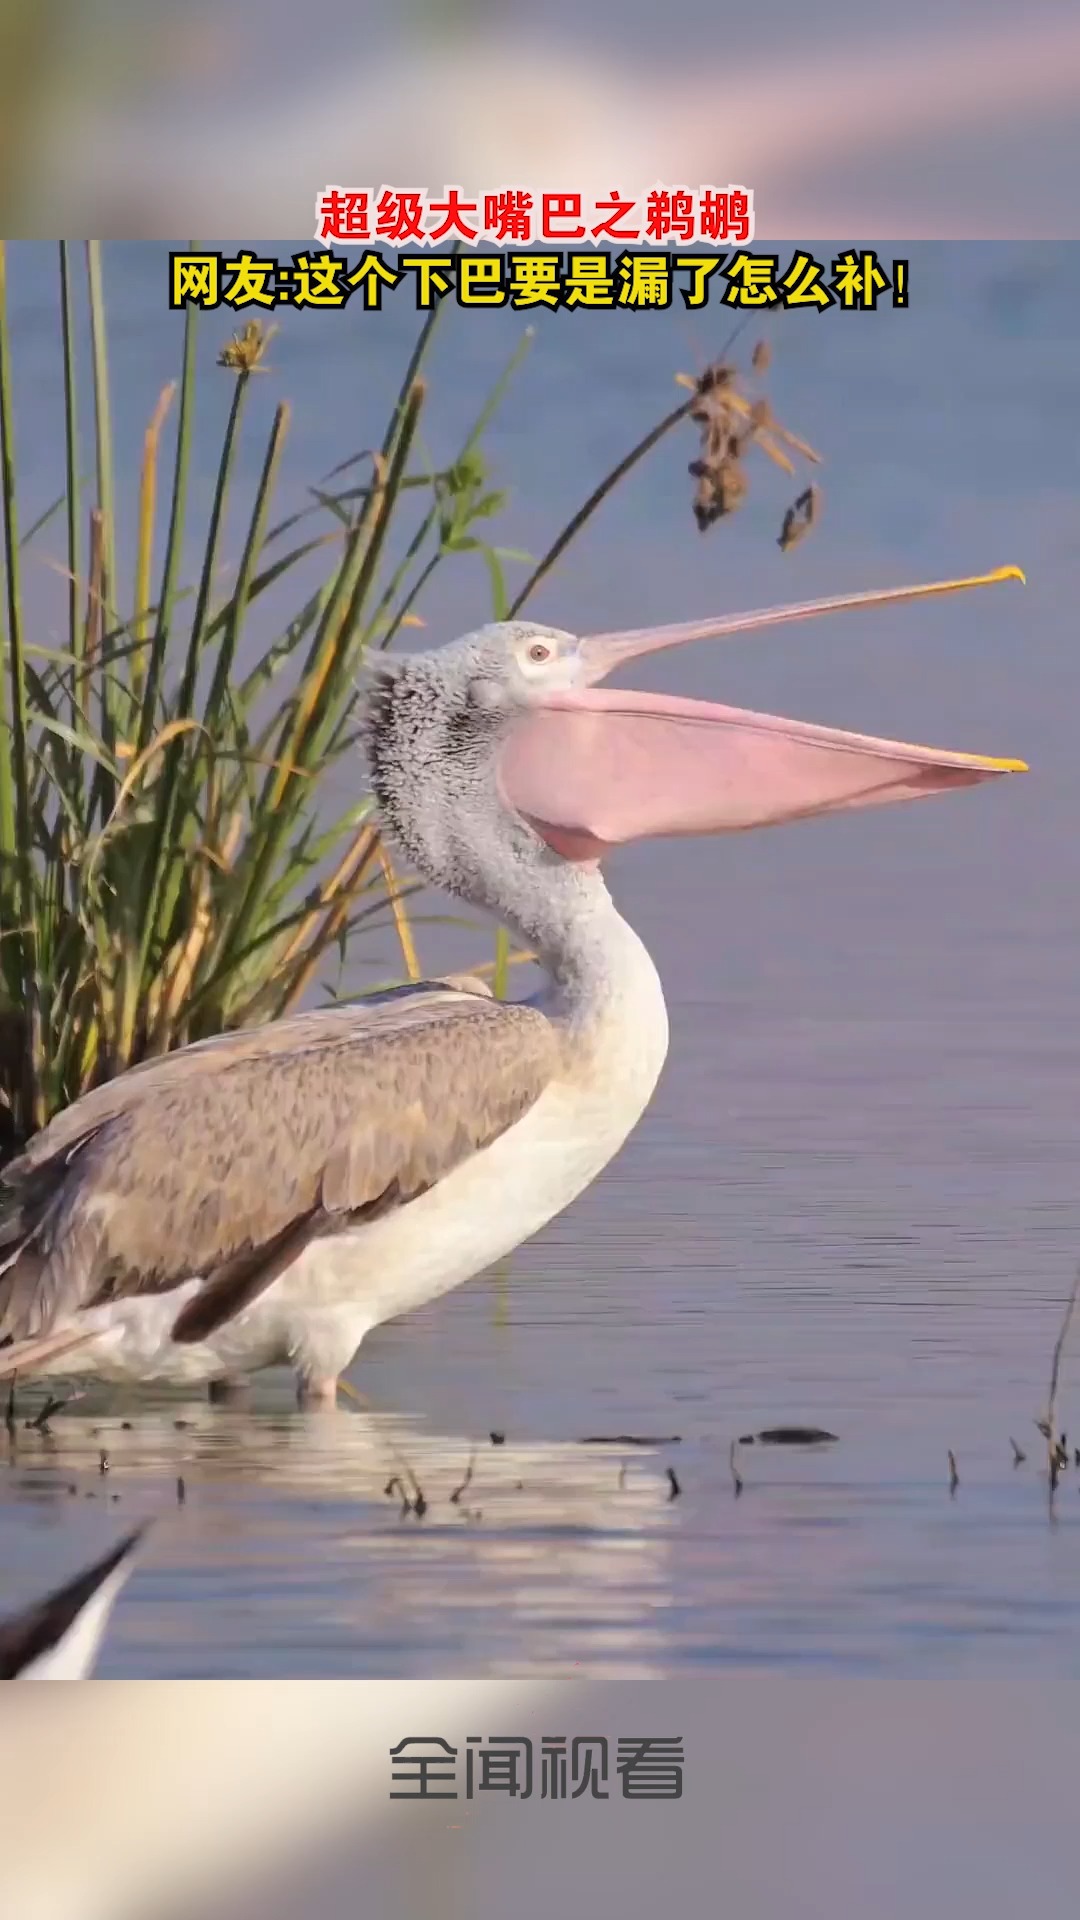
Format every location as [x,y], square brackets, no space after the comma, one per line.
[159,645]
[18,770]
[166,864]
[71,460]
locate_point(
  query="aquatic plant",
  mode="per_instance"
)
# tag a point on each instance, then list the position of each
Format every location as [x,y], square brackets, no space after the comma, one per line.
[171,863]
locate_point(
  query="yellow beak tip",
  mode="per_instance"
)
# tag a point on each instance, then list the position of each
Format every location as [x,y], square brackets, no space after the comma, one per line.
[988,765]
[1013,573]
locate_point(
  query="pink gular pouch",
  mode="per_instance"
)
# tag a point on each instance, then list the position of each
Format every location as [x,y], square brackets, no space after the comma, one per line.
[592,769]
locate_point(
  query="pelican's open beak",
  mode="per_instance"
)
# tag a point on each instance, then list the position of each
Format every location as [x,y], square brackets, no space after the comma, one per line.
[591,770]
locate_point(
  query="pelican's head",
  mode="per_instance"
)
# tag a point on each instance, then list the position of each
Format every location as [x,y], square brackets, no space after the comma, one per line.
[504,739]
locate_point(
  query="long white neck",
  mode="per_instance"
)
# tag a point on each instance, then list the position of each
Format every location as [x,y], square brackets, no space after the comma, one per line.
[600,973]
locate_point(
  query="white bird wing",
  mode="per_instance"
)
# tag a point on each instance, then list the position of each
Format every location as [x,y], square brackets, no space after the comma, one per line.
[59,1638]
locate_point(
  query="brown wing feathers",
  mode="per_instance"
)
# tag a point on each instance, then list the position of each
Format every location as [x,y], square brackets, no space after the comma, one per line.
[225,1160]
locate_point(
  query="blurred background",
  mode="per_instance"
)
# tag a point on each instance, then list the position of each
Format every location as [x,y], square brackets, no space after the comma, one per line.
[142,118]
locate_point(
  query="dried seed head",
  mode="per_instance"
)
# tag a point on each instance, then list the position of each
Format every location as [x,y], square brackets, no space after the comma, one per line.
[720,490]
[799,518]
[729,424]
[244,352]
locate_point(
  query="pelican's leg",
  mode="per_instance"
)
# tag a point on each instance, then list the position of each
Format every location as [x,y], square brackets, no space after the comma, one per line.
[316,1390]
[328,1342]
[322,1390]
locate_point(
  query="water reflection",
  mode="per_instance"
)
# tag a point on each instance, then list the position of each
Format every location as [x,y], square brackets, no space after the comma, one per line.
[294,1545]
[293,1553]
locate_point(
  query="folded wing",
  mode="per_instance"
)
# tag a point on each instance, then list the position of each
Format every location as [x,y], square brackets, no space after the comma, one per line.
[224,1160]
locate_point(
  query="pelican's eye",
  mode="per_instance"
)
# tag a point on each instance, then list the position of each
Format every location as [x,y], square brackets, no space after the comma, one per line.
[539,652]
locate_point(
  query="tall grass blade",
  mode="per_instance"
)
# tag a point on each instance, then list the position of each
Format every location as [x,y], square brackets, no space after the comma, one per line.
[103,435]
[245,580]
[71,447]
[174,542]
[103,443]
[401,918]
[42,521]
[144,559]
[584,514]
[19,770]
[166,860]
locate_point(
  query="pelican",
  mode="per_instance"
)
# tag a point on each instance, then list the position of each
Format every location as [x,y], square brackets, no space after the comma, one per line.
[59,1638]
[267,1197]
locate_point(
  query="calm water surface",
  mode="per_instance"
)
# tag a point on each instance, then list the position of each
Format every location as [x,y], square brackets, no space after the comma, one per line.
[855,1200]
